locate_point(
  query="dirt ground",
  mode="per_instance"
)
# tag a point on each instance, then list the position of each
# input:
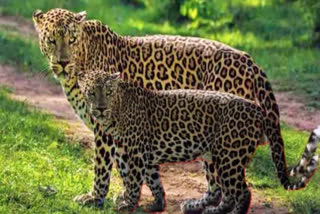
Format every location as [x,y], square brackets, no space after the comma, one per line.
[181,181]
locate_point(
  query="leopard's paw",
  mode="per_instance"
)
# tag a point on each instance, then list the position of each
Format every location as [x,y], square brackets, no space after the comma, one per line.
[89,200]
[157,206]
[124,206]
[117,199]
[191,206]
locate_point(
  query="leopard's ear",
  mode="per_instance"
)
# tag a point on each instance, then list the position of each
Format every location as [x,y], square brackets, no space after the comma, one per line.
[37,17]
[81,16]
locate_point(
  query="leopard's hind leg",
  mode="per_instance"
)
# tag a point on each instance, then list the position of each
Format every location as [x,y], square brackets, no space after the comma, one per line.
[236,196]
[230,164]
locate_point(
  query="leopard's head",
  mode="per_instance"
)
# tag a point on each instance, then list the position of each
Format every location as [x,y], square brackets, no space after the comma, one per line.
[59,33]
[99,89]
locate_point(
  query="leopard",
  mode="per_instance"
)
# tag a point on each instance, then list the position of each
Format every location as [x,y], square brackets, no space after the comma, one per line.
[158,127]
[71,43]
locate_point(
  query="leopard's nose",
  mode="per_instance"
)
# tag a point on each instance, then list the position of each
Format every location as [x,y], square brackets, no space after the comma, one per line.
[63,63]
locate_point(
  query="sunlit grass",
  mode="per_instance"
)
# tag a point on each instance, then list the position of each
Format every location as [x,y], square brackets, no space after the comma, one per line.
[40,171]
[21,51]
[255,3]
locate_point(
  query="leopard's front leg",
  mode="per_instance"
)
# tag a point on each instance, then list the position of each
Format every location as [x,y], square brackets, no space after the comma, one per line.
[152,179]
[104,154]
[121,157]
[136,175]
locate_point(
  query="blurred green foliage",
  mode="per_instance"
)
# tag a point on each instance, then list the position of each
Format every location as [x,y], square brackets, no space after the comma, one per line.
[291,19]
[316,28]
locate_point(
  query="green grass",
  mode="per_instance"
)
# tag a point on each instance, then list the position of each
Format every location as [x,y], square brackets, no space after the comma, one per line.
[34,155]
[21,51]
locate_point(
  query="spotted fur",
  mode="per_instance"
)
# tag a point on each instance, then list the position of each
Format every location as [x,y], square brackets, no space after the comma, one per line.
[156,127]
[73,44]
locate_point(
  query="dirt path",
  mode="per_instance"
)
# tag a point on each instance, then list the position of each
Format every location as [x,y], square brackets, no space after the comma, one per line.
[18,23]
[295,113]
[181,181]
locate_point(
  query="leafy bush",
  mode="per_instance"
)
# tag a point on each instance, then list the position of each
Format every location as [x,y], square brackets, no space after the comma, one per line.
[135,3]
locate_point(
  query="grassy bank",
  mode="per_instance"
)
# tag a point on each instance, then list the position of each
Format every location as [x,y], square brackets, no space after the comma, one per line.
[40,171]
[21,51]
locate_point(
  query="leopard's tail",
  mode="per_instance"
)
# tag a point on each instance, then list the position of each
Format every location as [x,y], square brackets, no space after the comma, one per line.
[308,164]
[309,161]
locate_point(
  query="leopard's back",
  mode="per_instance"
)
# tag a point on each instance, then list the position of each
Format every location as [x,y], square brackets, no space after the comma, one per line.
[170,62]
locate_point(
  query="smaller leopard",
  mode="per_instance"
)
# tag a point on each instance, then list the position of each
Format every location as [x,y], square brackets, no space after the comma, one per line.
[156,127]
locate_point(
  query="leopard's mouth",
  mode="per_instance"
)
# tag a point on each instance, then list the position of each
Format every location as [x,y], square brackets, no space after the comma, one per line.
[101,113]
[57,69]
[96,113]
[62,70]
[63,73]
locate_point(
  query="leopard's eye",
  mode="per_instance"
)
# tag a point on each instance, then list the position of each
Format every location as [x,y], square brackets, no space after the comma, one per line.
[52,41]
[72,40]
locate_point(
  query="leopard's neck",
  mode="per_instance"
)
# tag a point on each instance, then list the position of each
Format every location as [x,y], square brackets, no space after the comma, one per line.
[101,48]
[110,126]
[76,100]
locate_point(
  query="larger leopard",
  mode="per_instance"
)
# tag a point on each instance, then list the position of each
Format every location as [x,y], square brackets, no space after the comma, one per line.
[70,42]
[156,127]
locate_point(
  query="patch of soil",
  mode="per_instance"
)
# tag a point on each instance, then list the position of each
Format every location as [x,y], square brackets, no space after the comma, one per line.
[184,181]
[22,25]
[294,112]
